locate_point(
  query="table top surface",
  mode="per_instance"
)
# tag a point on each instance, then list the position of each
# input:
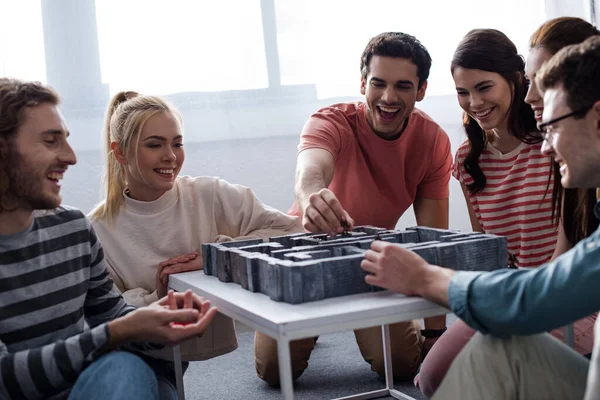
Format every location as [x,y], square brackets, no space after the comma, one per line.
[329,315]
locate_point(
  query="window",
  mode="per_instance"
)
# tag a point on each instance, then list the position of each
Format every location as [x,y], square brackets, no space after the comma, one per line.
[321,42]
[181,46]
[22,40]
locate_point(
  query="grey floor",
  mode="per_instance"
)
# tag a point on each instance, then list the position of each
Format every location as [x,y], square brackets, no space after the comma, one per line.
[336,369]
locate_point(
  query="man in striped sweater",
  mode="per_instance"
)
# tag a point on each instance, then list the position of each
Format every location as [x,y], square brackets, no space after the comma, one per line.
[53,277]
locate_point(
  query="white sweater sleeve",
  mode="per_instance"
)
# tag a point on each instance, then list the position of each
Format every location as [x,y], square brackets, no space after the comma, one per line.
[138,297]
[240,214]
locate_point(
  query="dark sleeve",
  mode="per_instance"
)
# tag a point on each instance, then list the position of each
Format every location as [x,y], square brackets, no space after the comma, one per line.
[103,302]
[49,370]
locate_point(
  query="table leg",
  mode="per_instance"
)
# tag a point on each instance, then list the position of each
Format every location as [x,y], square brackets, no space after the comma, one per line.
[285,368]
[387,356]
[389,373]
[178,372]
[569,332]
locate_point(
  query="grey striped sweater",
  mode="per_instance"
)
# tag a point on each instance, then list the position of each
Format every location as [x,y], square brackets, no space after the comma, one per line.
[53,279]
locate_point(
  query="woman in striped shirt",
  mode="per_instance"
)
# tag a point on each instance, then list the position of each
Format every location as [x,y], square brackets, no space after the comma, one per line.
[502,171]
[573,208]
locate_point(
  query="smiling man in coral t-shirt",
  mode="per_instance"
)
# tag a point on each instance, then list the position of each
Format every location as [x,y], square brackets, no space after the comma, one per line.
[366,163]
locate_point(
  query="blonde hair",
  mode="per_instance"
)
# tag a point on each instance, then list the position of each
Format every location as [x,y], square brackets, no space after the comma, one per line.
[125,118]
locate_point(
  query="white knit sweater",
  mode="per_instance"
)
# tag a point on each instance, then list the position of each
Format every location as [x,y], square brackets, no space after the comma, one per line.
[197,210]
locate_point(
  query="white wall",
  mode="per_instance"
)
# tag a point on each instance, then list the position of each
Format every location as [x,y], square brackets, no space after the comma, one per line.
[253,147]
[571,8]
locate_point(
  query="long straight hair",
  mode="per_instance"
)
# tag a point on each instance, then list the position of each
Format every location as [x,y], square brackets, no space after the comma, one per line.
[491,50]
[571,207]
[125,118]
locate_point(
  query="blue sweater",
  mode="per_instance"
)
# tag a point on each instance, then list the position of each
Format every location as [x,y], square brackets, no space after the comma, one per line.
[529,301]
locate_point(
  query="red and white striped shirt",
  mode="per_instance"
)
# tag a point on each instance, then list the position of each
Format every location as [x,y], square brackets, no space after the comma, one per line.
[516,201]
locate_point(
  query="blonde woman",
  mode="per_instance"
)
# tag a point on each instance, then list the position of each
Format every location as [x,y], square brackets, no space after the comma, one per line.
[153,221]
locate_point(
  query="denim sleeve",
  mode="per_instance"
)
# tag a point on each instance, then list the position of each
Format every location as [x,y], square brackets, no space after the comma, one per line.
[530,301]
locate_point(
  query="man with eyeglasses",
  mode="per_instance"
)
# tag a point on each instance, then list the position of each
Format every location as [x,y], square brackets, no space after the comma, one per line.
[495,364]
[548,128]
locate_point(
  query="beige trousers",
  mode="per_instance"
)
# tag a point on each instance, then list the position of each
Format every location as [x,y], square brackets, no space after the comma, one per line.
[405,340]
[519,367]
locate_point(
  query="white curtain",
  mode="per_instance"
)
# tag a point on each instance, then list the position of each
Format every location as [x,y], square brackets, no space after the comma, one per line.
[571,8]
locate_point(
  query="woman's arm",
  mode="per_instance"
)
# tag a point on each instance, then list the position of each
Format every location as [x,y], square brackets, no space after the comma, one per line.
[240,214]
[138,297]
[474,221]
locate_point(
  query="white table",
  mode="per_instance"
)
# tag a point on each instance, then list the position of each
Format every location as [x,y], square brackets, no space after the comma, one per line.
[286,322]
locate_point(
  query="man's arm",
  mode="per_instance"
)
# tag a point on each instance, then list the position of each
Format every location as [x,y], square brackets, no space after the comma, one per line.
[34,373]
[528,301]
[43,372]
[321,210]
[434,214]
[138,329]
[504,302]
[431,212]
[314,171]
[103,301]
[403,271]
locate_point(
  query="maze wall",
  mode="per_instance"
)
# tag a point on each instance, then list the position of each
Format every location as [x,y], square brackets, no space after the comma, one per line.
[305,267]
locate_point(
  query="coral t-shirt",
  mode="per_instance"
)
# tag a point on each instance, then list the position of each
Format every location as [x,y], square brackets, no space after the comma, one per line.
[377,180]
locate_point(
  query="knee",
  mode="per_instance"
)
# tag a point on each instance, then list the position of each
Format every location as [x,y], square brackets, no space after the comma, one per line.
[404,364]
[268,372]
[267,361]
[122,363]
[117,374]
[265,358]
[405,351]
[430,377]
[483,348]
[267,369]
[434,368]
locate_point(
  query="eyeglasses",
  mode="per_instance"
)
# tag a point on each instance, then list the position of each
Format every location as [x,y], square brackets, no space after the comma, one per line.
[547,129]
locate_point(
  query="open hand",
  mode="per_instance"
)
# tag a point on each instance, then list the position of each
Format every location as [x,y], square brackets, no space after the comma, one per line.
[174,265]
[170,320]
[393,267]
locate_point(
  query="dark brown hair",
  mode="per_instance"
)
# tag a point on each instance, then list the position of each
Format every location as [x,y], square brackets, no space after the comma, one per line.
[491,50]
[15,97]
[397,44]
[577,69]
[571,207]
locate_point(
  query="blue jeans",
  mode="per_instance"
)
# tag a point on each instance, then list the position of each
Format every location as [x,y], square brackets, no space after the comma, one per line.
[123,375]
